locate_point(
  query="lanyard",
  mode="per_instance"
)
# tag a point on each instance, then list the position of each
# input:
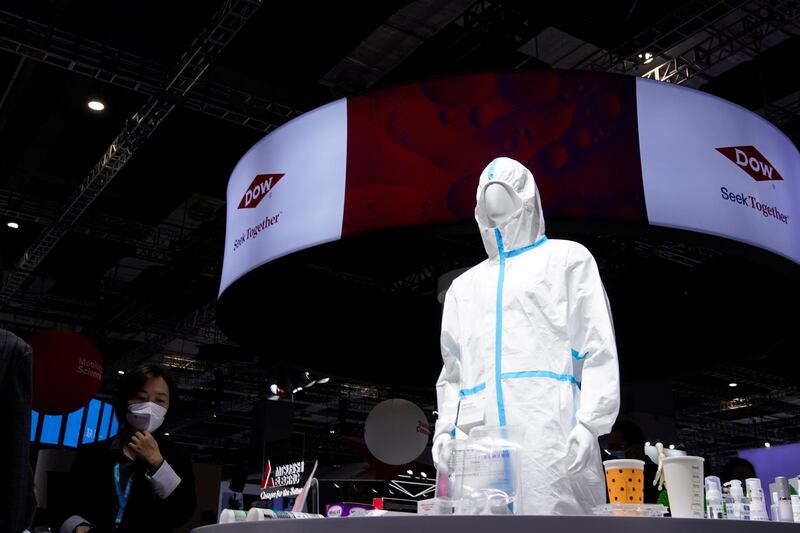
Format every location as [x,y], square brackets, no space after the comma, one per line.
[122,496]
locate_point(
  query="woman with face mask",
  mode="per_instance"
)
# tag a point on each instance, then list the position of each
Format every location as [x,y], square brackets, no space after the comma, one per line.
[137,481]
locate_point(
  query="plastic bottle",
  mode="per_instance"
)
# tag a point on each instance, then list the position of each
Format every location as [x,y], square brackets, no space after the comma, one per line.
[740,508]
[714,507]
[784,501]
[773,508]
[758,509]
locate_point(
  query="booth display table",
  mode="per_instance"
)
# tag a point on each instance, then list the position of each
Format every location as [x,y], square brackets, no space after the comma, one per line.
[502,524]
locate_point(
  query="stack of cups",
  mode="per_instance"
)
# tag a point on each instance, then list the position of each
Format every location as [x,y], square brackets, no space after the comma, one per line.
[684,478]
[625,481]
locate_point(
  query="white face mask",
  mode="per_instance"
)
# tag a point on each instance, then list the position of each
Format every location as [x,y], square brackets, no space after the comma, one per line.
[146,416]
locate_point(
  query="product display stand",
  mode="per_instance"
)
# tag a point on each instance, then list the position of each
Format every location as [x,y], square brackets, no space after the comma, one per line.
[504,524]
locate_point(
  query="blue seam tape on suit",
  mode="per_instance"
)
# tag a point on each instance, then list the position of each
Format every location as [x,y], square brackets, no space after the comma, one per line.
[469,392]
[541,374]
[498,334]
[491,168]
[577,355]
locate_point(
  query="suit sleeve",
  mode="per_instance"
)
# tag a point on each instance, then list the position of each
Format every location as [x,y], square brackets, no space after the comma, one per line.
[594,348]
[447,386]
[178,507]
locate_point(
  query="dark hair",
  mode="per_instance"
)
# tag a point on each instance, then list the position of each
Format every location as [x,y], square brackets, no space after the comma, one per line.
[630,432]
[132,382]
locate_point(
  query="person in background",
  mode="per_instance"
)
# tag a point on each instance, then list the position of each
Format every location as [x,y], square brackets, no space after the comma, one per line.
[16,480]
[738,468]
[139,481]
[626,441]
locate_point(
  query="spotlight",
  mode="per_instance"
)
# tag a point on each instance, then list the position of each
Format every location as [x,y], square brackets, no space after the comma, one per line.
[121,372]
[646,57]
[12,225]
[767,445]
[322,381]
[647,443]
[733,384]
[273,388]
[96,105]
[671,446]
[166,434]
[410,472]
[424,475]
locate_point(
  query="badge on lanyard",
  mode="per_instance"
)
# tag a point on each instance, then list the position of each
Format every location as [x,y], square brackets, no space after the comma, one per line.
[122,494]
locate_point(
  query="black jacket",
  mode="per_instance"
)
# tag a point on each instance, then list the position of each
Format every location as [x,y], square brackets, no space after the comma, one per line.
[94,497]
[16,480]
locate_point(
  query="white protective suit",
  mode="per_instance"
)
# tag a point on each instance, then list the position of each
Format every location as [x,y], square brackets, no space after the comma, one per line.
[528,334]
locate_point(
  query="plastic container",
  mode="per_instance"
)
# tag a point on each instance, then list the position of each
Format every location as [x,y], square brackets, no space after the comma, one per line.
[629,509]
[625,481]
[684,478]
[481,474]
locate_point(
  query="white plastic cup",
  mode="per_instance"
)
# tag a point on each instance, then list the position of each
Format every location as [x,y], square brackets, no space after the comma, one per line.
[228,516]
[684,478]
[625,481]
[257,514]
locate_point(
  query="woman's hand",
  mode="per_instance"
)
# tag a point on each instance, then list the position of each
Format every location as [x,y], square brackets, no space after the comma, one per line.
[144,445]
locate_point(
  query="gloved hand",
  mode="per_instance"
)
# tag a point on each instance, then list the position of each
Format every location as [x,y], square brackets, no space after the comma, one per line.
[579,446]
[436,450]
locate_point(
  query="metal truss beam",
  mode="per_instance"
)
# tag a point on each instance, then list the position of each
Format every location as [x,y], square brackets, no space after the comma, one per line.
[190,67]
[755,24]
[98,61]
[678,25]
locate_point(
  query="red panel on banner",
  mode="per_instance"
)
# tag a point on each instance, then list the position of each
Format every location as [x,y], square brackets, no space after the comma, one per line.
[415,152]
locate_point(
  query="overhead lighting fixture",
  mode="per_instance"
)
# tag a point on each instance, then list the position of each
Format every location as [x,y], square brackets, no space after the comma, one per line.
[767,445]
[12,225]
[121,372]
[332,431]
[96,105]
[166,434]
[671,446]
[375,491]
[646,57]
[410,472]
[424,475]
[273,388]
[337,485]
[647,443]
[322,381]
[214,415]
[733,384]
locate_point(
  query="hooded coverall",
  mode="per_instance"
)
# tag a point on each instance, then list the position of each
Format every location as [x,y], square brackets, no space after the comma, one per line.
[528,334]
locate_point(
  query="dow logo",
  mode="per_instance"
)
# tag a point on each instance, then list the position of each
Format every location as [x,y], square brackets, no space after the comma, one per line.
[258,189]
[751,161]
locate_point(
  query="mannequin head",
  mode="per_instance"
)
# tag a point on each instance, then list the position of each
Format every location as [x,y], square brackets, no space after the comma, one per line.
[499,202]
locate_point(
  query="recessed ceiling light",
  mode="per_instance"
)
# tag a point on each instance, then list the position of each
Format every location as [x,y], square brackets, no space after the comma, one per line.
[96,105]
[121,372]
[733,384]
[12,225]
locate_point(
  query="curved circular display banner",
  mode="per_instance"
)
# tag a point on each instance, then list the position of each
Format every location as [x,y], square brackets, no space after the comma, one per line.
[600,146]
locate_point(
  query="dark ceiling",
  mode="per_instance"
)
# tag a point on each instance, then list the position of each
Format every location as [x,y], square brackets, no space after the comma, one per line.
[138,269]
